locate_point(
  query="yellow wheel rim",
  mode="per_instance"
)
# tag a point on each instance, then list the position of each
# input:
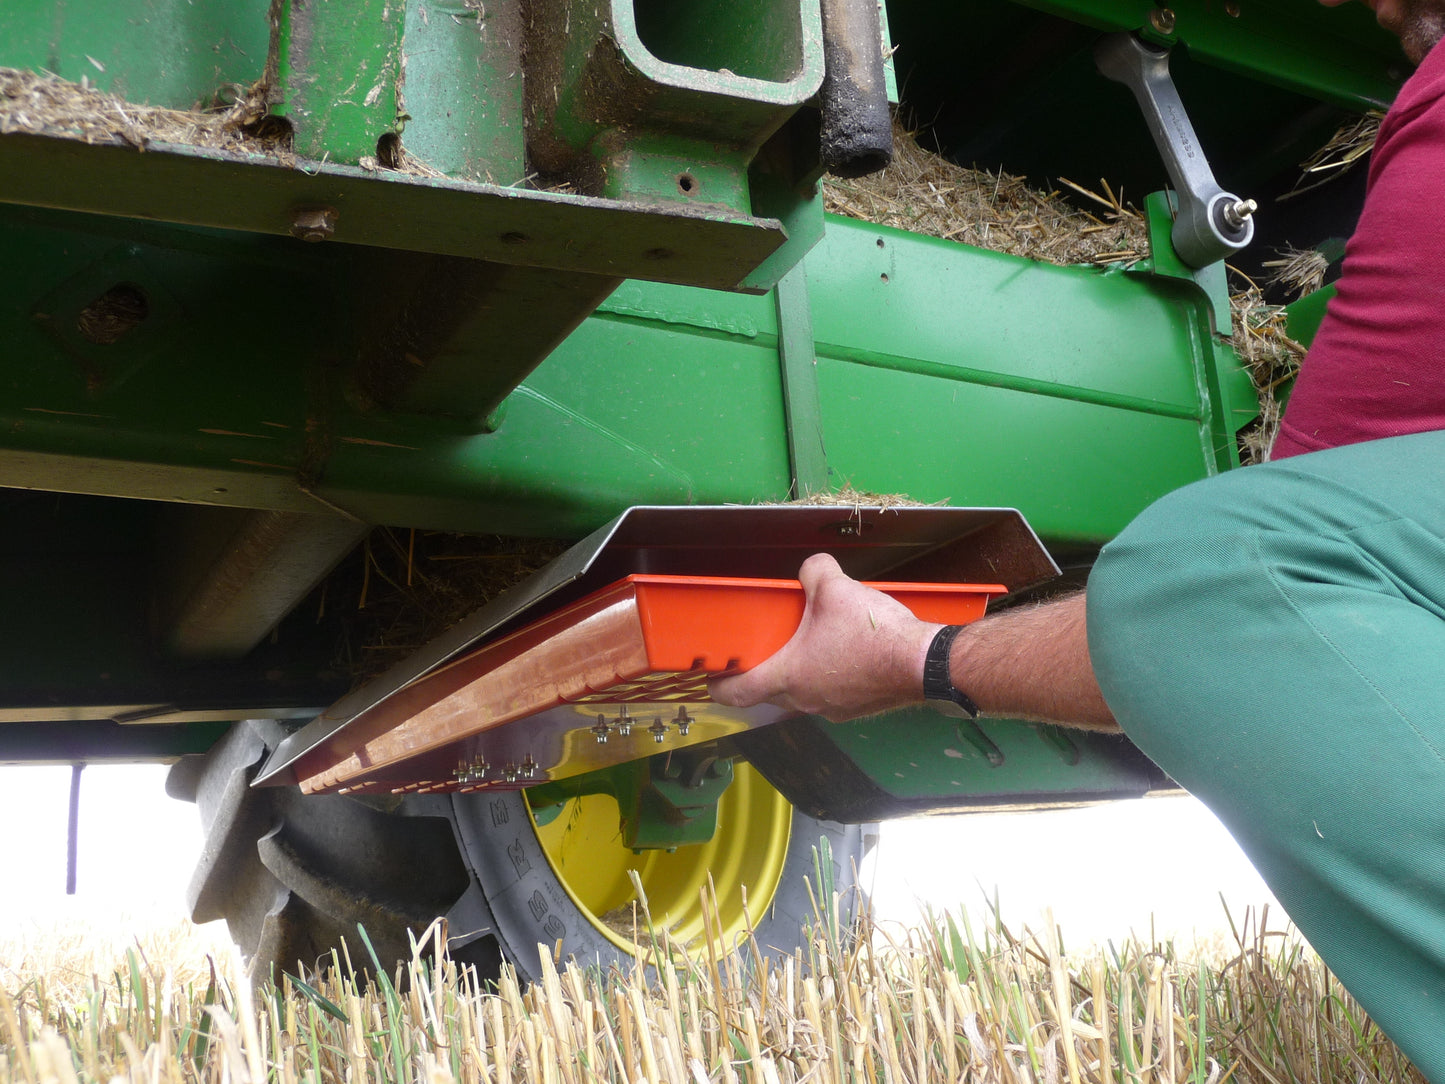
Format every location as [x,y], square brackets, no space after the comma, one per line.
[745,856]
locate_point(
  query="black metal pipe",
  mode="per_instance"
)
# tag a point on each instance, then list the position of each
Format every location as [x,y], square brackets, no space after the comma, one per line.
[857,136]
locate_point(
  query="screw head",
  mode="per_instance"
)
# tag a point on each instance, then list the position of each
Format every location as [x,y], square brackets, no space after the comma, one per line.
[1162,20]
[313,223]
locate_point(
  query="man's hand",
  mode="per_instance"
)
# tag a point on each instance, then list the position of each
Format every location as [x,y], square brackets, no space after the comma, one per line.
[857,652]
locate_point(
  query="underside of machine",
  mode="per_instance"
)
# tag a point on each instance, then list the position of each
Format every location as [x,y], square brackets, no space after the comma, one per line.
[340,339]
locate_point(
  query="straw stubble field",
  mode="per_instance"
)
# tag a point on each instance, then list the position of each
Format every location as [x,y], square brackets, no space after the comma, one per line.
[941,1001]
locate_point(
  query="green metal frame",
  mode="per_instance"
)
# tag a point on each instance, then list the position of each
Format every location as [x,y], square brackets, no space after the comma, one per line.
[468,352]
[1338,57]
[665,395]
[664,802]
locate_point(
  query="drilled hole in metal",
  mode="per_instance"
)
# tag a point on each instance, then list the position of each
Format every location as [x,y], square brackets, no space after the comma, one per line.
[388,151]
[686,184]
[114,314]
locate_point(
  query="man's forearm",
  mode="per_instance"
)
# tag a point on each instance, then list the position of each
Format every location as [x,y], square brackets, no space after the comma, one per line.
[1032,662]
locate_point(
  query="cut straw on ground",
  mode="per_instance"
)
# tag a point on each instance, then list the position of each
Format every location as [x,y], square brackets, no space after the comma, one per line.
[942,1001]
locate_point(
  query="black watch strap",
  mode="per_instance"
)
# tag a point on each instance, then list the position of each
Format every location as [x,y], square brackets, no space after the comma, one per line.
[937,681]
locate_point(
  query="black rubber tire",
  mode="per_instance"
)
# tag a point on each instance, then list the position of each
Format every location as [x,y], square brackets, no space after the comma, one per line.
[293,876]
[529,906]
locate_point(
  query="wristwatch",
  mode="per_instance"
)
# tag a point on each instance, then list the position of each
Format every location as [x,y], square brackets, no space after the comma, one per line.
[938,688]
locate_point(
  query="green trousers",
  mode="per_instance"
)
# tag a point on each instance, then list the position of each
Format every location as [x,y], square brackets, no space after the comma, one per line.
[1274,638]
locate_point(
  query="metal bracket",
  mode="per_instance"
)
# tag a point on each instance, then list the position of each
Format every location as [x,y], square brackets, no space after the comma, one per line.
[1212,223]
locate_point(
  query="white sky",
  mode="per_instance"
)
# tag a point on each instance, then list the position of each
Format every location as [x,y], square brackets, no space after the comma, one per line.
[1105,871]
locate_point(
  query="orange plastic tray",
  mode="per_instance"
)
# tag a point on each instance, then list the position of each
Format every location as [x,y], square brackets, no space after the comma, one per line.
[644,638]
[715,623]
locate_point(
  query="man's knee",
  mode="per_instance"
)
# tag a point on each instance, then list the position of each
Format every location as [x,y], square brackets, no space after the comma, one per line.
[1160,596]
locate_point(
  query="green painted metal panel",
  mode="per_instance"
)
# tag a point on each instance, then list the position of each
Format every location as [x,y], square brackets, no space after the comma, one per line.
[799,364]
[701,246]
[896,300]
[173,53]
[756,39]
[462,92]
[1078,471]
[1305,315]
[928,383]
[953,374]
[671,395]
[338,63]
[991,762]
[1338,56]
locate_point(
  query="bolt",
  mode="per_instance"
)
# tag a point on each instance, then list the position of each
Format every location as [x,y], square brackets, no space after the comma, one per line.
[529,767]
[1236,214]
[313,223]
[509,772]
[472,772]
[623,722]
[1162,20]
[1231,9]
[658,730]
[683,721]
[600,730]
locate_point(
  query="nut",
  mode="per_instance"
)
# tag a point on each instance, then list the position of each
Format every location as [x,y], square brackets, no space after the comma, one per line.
[313,223]
[1162,20]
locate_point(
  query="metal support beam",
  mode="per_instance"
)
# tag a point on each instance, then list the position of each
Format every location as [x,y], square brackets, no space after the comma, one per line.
[232,576]
[101,742]
[806,453]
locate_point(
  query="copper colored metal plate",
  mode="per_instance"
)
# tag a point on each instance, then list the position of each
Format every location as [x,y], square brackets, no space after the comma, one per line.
[932,544]
[629,663]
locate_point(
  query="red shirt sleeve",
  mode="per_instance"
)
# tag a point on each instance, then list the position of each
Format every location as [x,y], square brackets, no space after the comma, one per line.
[1377,365]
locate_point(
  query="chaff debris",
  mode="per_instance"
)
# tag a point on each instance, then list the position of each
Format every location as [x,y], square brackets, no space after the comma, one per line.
[923,192]
[1300,271]
[406,587]
[1271,358]
[1349,146]
[240,121]
[51,106]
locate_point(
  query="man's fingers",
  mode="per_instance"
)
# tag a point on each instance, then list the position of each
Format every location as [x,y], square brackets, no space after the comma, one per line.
[766,681]
[738,690]
[815,570]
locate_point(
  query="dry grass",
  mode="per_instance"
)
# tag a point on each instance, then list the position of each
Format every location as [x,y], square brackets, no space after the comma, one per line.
[406,587]
[848,497]
[51,106]
[1272,359]
[923,192]
[239,121]
[1349,146]
[937,1002]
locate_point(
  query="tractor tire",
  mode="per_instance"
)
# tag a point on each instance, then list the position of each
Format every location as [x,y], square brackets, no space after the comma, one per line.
[564,886]
[293,876]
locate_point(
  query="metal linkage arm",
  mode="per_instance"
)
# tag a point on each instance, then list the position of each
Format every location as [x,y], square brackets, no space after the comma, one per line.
[1211,223]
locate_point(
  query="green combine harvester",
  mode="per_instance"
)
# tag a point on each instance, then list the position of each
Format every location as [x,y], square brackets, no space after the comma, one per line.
[347,342]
